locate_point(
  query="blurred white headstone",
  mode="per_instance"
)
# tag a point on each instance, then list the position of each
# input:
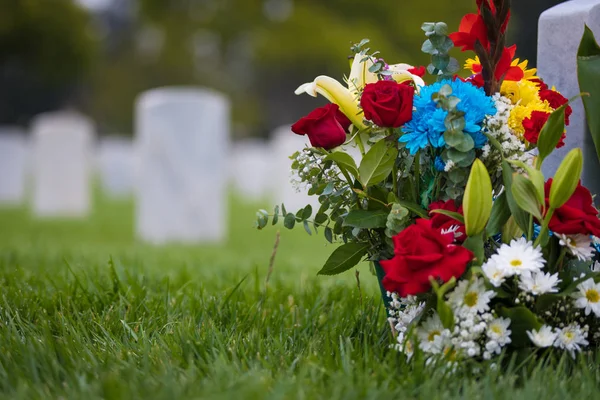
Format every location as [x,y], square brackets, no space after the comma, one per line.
[559,34]
[284,144]
[62,158]
[13,164]
[182,139]
[249,169]
[115,164]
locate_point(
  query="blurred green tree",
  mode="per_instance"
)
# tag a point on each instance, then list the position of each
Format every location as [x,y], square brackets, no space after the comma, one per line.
[46,49]
[256,51]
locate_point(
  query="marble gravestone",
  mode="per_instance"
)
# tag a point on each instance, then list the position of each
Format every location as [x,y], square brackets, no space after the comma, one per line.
[182,140]
[249,169]
[13,165]
[284,143]
[559,34]
[62,161]
[115,163]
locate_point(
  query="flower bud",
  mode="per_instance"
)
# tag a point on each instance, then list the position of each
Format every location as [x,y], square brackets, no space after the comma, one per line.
[566,178]
[477,202]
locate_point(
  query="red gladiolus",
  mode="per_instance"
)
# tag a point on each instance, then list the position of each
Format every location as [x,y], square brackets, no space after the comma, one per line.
[471,29]
[325,127]
[423,252]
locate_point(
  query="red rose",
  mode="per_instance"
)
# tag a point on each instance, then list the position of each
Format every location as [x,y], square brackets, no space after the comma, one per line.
[325,126]
[577,215]
[421,252]
[443,222]
[556,100]
[533,126]
[471,29]
[387,103]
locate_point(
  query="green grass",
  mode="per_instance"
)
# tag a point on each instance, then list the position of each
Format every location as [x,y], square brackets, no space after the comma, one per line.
[87,312]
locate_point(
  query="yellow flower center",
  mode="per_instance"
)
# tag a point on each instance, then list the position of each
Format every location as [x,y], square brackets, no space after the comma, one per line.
[471,298]
[592,295]
[516,263]
[432,335]
[569,335]
[450,353]
[496,329]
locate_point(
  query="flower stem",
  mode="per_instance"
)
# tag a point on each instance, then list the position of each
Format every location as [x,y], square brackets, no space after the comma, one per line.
[360,144]
[545,224]
[417,163]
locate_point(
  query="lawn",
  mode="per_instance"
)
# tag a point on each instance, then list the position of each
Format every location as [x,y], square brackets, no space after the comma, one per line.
[87,312]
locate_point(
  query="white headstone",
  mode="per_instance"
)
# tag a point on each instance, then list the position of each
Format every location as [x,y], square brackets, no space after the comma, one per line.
[559,34]
[249,169]
[13,164]
[62,158]
[284,144]
[115,161]
[182,139]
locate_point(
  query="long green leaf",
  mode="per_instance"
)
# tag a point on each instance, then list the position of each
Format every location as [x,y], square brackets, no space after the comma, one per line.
[521,321]
[377,163]
[366,219]
[588,73]
[344,161]
[454,215]
[343,258]
[500,215]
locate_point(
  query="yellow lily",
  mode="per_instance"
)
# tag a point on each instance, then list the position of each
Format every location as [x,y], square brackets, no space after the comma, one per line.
[347,98]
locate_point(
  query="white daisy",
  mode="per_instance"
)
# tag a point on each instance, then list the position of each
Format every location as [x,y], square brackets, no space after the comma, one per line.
[471,297]
[519,257]
[499,332]
[495,275]
[571,338]
[539,283]
[544,337]
[588,297]
[579,245]
[432,335]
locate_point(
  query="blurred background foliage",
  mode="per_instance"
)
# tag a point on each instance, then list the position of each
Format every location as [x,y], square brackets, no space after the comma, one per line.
[55,53]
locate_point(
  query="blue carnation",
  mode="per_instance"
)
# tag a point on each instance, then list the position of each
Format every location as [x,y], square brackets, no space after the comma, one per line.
[427,124]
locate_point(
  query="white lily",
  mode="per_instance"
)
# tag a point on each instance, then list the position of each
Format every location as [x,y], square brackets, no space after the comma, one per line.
[347,97]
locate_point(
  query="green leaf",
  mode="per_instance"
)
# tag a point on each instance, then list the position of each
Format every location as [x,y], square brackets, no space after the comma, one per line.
[521,321]
[283,210]
[445,313]
[320,218]
[536,177]
[476,245]
[344,257]
[328,234]
[289,221]
[378,163]
[551,133]
[588,73]
[306,227]
[276,215]
[524,193]
[344,161]
[305,213]
[451,214]
[366,219]
[500,215]
[415,208]
[520,216]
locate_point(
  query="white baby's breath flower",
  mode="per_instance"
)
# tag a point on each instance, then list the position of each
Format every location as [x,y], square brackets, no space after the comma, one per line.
[499,332]
[432,335]
[471,297]
[579,245]
[493,273]
[544,337]
[571,338]
[588,297]
[519,257]
[539,283]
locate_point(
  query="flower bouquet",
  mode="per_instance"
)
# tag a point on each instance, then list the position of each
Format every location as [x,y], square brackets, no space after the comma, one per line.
[437,181]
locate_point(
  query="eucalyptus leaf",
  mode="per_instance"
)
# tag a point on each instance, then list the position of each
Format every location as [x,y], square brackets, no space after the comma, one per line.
[289,221]
[344,257]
